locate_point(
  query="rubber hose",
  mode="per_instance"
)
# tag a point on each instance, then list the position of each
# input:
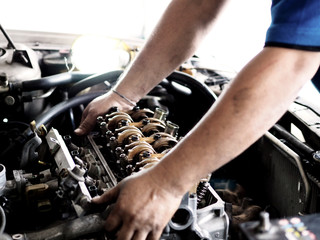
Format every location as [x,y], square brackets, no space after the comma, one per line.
[110,77]
[189,81]
[3,220]
[46,117]
[50,81]
[73,229]
[303,148]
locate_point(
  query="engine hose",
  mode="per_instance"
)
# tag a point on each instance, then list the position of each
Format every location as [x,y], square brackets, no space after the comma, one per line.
[189,81]
[46,117]
[302,147]
[110,77]
[50,81]
[73,229]
[3,220]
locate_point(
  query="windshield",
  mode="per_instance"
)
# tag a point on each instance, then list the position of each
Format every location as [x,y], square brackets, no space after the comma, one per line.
[236,37]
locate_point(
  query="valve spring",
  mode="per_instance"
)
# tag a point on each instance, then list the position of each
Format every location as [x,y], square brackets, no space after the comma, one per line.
[201,192]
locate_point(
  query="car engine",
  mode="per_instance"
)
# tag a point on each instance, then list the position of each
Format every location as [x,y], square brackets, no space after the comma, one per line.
[48,175]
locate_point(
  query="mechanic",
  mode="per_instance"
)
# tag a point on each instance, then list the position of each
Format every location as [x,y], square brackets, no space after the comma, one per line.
[255,99]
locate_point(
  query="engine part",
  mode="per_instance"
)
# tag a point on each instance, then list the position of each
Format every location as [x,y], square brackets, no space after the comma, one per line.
[46,83]
[72,180]
[117,148]
[47,117]
[109,78]
[298,163]
[29,152]
[40,200]
[58,174]
[18,63]
[130,146]
[3,178]
[72,229]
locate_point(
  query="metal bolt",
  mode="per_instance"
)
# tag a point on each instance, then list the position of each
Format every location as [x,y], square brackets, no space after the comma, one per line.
[100,119]
[145,121]
[123,123]
[18,236]
[9,100]
[77,173]
[146,154]
[156,136]
[123,156]
[118,150]
[134,138]
[316,156]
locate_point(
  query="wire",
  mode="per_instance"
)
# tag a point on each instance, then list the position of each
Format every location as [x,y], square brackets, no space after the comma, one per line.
[3,220]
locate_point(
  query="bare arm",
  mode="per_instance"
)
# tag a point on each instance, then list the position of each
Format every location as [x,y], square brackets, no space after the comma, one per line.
[255,100]
[175,39]
[181,28]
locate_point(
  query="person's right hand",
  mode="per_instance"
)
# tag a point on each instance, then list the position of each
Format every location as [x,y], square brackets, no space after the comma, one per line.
[98,107]
[142,205]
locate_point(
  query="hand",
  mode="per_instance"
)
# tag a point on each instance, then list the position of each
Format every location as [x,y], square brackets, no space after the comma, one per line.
[98,107]
[142,207]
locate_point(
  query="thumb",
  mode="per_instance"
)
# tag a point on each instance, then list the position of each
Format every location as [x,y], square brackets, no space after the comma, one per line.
[108,197]
[85,127]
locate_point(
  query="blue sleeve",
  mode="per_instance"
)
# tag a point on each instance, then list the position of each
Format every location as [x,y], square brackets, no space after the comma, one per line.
[295,23]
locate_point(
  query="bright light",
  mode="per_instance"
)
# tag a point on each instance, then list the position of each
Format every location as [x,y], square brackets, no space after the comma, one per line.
[95,54]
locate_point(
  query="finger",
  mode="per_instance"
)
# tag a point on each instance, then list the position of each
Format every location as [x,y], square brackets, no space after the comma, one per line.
[141,235]
[107,197]
[113,222]
[126,232]
[154,235]
[85,126]
[84,114]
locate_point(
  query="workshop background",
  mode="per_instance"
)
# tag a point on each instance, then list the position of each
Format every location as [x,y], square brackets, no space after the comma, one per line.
[233,40]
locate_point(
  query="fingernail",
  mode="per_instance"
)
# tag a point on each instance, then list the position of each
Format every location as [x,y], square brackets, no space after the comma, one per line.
[94,199]
[78,131]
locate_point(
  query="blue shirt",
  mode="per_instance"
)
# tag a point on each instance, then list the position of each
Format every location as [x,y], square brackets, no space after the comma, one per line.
[295,24]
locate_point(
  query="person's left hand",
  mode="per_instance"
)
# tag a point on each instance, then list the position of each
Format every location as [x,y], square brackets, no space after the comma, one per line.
[142,207]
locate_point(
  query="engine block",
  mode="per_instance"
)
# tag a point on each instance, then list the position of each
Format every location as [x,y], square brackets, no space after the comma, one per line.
[122,144]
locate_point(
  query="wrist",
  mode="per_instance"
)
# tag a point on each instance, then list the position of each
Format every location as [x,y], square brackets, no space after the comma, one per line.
[124,98]
[168,181]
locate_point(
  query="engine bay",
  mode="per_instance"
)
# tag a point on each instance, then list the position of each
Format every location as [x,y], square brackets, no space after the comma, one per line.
[48,175]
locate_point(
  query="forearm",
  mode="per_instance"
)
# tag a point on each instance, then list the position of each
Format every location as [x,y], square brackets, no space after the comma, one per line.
[254,101]
[175,38]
